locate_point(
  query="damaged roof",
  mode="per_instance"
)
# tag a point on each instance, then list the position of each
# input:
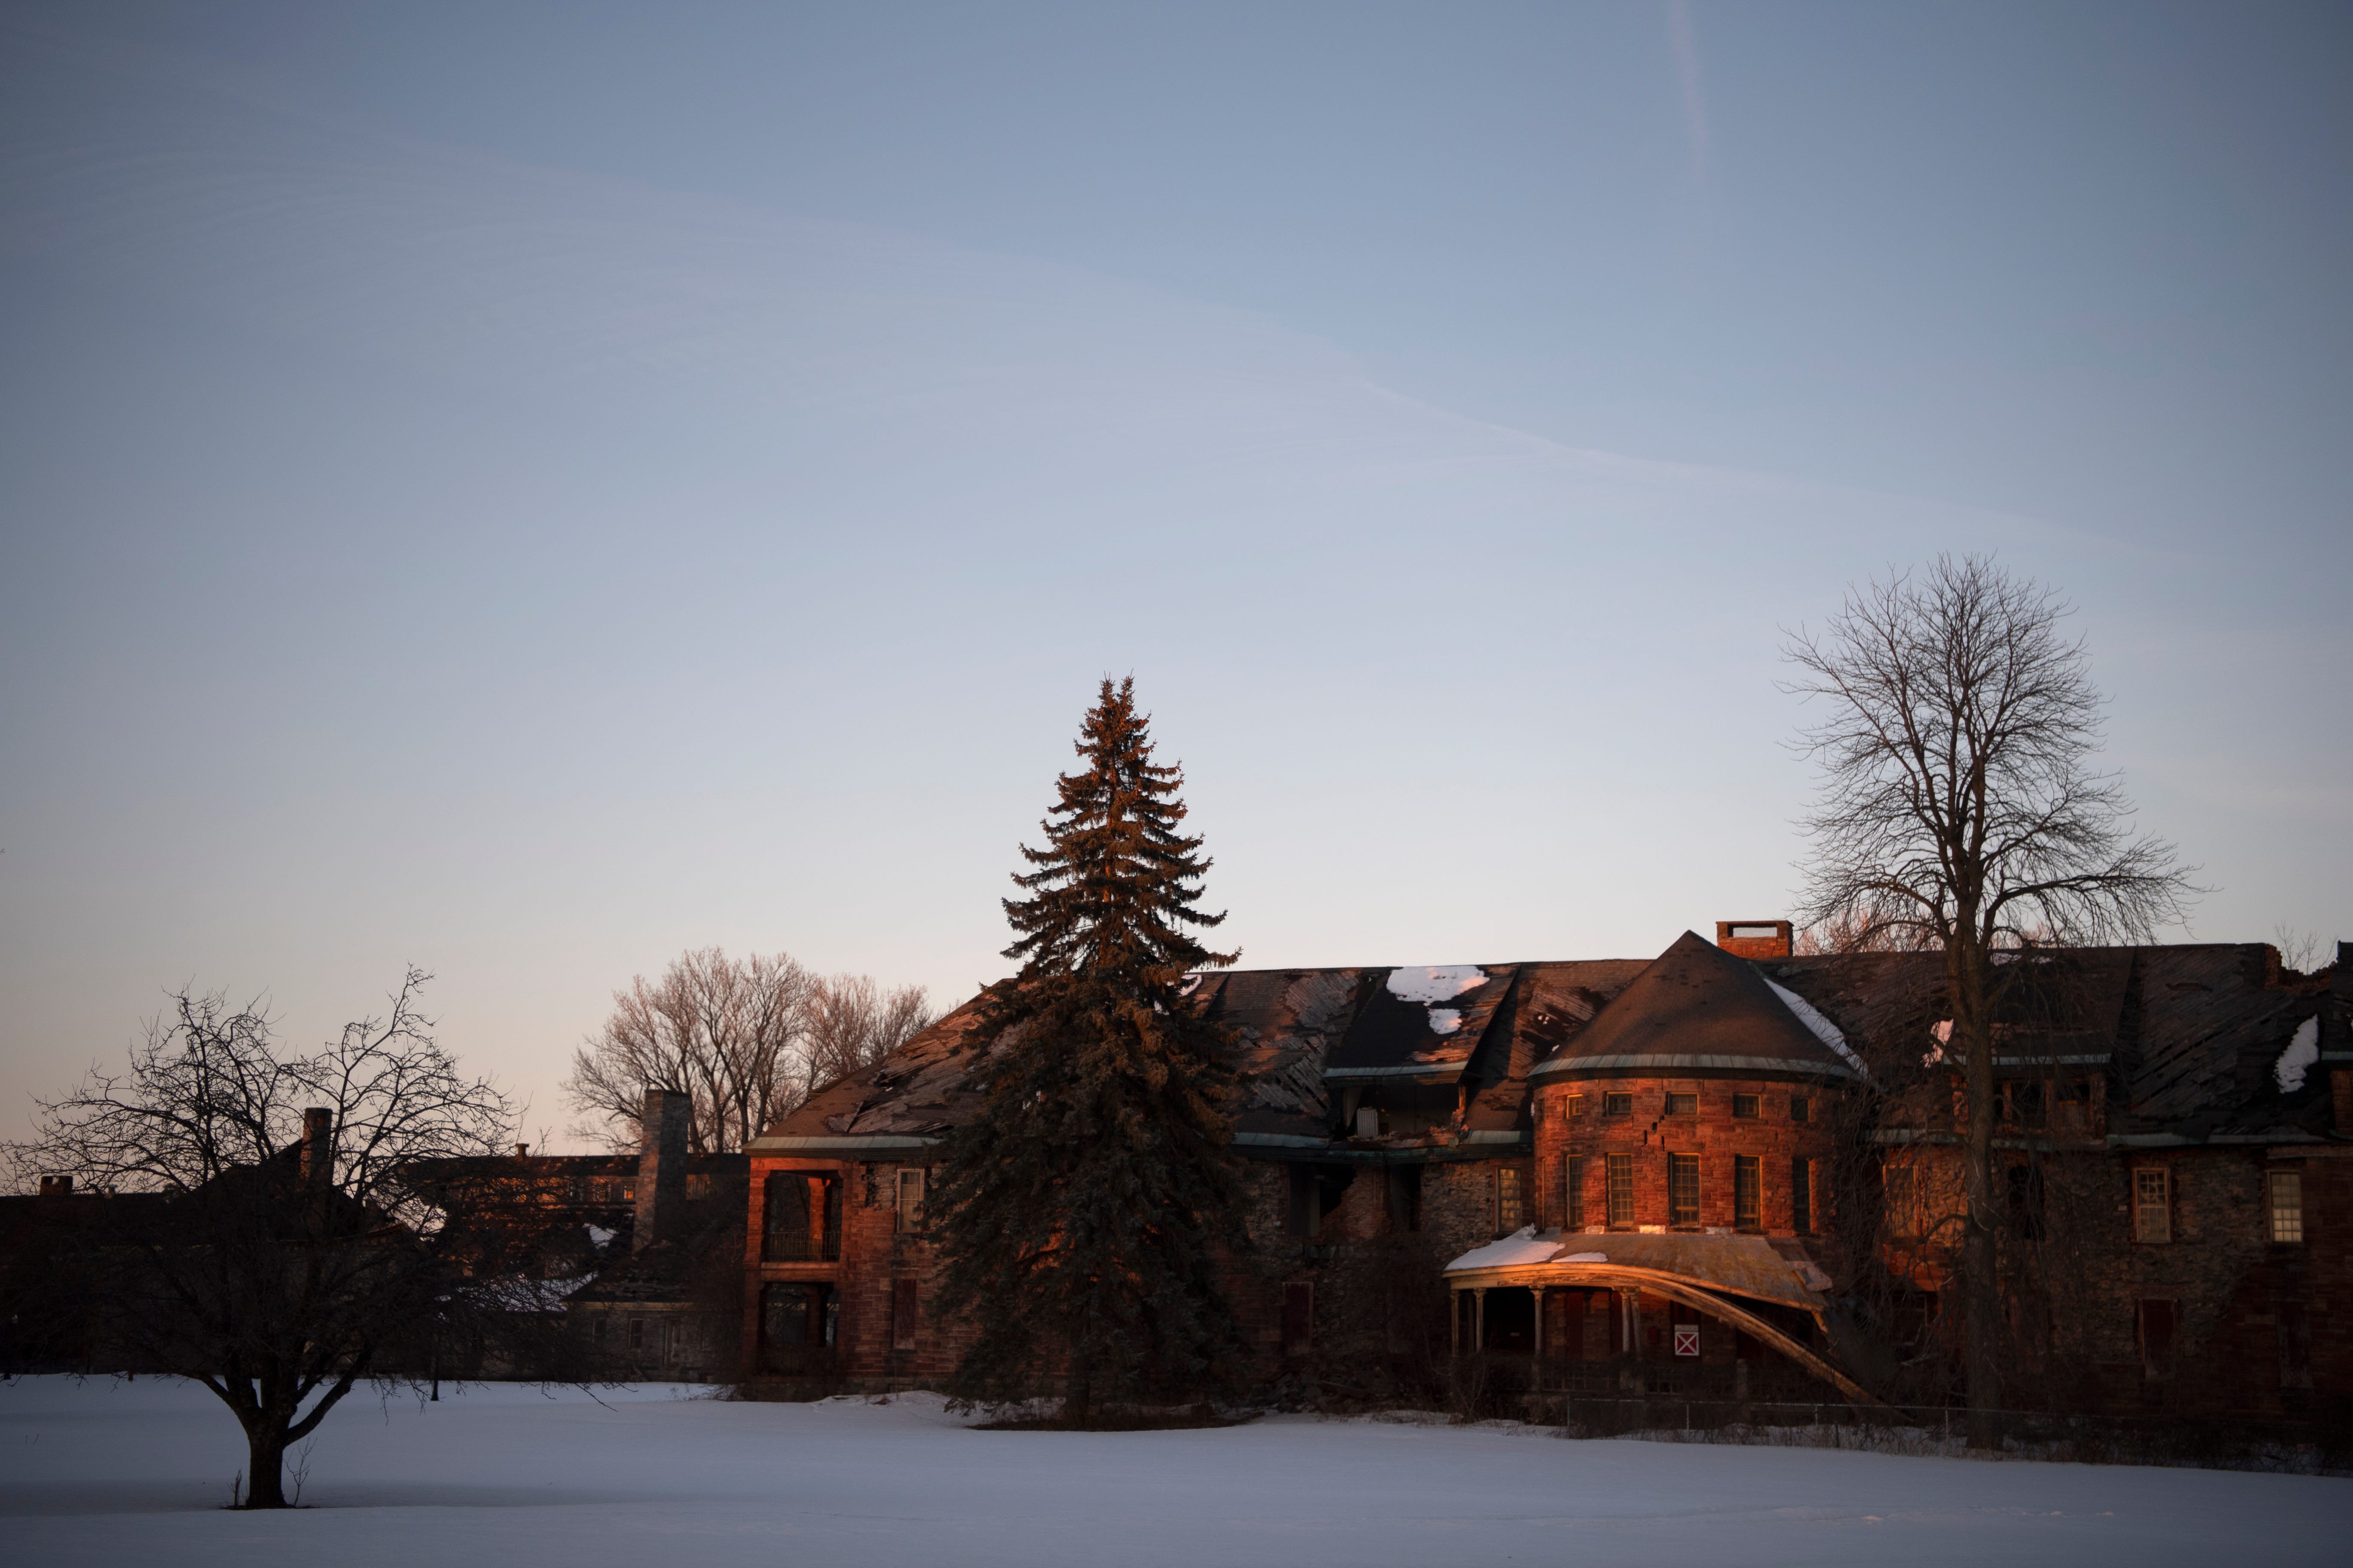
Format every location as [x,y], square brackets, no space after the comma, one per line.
[2190,1037]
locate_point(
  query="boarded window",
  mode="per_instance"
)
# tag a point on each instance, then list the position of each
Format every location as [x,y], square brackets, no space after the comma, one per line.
[2157,1326]
[1801,1195]
[1510,1206]
[1298,1318]
[1800,1108]
[910,1199]
[1682,1189]
[1616,1105]
[697,1188]
[1572,1183]
[1903,1211]
[1743,1106]
[1622,1189]
[2287,1206]
[2152,1204]
[903,1314]
[1747,1177]
[1682,1105]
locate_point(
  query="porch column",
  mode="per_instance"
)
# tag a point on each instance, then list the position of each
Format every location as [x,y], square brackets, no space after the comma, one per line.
[1537,1294]
[1630,1315]
[1454,1321]
[1479,1318]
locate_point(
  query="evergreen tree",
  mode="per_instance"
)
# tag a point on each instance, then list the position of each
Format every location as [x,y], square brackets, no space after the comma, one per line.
[1083,1210]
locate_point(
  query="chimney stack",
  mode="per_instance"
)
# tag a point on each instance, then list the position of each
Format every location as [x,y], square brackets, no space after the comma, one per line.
[56,1186]
[1754,939]
[318,1145]
[522,1151]
[662,1165]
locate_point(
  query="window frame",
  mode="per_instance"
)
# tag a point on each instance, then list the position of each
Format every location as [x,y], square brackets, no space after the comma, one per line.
[1682,1103]
[1511,1200]
[2288,1217]
[1802,1194]
[1682,1173]
[908,1219]
[1802,1107]
[1618,1192]
[1747,1107]
[1619,1103]
[2147,1179]
[1749,1172]
[1572,1192]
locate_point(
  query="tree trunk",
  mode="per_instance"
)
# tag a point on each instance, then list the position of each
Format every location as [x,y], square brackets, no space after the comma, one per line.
[265,1474]
[1980,1277]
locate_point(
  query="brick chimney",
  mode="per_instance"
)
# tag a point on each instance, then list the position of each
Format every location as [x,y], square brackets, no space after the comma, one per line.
[661,1165]
[318,1145]
[56,1186]
[1754,939]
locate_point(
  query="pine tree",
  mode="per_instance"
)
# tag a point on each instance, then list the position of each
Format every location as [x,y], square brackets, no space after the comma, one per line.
[1084,1209]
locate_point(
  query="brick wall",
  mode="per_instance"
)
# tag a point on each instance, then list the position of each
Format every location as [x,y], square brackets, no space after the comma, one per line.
[1648,1134]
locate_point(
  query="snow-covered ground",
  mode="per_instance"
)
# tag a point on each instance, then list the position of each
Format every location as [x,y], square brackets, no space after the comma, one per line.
[107,1472]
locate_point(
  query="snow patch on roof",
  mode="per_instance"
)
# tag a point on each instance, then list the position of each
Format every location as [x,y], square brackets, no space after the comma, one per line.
[1445,1020]
[1520,1246]
[1583,1257]
[1823,1029]
[2301,1052]
[1435,982]
[599,1237]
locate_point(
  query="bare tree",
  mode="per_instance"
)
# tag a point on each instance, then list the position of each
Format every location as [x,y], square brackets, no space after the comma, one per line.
[853,1021]
[729,1031]
[1958,813]
[257,1229]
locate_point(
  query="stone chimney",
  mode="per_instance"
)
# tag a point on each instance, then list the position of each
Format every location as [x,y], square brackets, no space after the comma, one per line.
[56,1186]
[318,1145]
[1754,939]
[661,1165]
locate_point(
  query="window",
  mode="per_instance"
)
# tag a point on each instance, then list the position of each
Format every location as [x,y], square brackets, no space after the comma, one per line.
[697,1188]
[1573,1193]
[1616,1105]
[1747,1176]
[910,1199]
[596,1332]
[1744,1107]
[1903,1215]
[2152,1204]
[1800,1108]
[637,1333]
[1682,1105]
[2287,1206]
[1682,1189]
[1622,1189]
[1574,1107]
[2025,1201]
[2157,1324]
[1404,1198]
[1509,1204]
[1298,1318]
[1801,1195]
[802,1213]
[903,1314]
[2022,1103]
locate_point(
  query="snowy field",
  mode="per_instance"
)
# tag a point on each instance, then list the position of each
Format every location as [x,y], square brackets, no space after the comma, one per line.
[106,1472]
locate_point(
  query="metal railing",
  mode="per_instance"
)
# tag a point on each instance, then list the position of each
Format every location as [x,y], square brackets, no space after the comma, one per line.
[800,1247]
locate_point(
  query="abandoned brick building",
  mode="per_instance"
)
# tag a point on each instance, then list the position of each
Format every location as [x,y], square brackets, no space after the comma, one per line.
[1730,1168]
[636,1251]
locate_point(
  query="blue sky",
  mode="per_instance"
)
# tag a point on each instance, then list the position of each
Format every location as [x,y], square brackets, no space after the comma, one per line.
[529,489]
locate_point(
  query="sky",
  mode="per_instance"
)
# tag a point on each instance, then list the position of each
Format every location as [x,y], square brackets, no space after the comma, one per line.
[526,491]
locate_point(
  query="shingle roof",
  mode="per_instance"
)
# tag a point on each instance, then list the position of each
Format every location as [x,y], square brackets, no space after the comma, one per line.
[1696,1009]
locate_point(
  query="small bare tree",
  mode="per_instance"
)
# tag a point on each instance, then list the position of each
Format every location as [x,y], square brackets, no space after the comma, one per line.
[853,1021]
[1958,813]
[257,1229]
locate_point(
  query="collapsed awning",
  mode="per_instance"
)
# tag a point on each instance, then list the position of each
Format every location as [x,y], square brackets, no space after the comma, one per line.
[1715,1274]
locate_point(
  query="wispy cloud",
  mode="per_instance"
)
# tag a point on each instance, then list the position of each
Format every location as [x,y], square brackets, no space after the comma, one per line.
[1686,46]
